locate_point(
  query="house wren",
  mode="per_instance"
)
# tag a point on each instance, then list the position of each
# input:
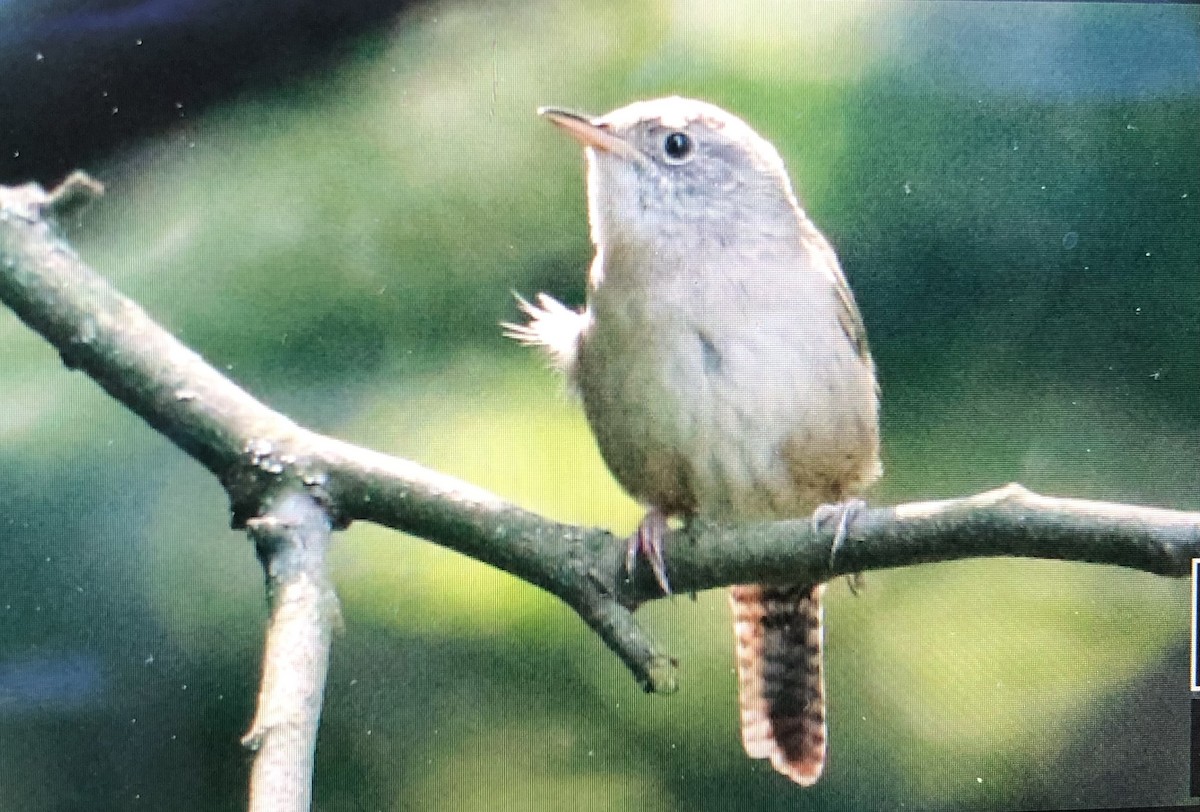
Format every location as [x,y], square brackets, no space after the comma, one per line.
[724,369]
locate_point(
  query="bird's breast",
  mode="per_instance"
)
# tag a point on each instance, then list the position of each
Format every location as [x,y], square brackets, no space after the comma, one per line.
[727,392]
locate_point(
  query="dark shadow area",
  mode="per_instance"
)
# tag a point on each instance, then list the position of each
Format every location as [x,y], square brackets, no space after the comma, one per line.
[83,79]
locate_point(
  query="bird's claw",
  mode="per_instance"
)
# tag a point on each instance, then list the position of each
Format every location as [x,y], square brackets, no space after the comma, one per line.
[647,541]
[843,511]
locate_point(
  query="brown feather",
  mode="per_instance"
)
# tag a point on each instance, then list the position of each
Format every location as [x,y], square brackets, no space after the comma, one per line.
[781,687]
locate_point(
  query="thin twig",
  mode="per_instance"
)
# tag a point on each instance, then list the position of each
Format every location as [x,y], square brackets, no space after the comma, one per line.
[291,539]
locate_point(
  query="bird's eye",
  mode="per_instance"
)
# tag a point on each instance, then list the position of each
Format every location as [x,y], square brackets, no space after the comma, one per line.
[678,147]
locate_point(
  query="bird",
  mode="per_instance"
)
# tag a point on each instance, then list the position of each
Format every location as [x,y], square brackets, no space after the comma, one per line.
[723,367]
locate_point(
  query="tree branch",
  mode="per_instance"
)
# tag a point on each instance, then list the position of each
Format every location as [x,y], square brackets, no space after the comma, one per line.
[260,455]
[291,539]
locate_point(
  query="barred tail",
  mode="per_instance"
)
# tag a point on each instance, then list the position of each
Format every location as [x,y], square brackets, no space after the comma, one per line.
[781,687]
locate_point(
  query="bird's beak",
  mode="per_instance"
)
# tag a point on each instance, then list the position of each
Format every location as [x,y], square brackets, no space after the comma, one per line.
[590,134]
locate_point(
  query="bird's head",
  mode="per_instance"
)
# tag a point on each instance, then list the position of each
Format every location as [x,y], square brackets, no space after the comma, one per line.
[673,168]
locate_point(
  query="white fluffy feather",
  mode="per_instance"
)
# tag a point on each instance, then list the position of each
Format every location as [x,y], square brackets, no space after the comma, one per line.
[552,326]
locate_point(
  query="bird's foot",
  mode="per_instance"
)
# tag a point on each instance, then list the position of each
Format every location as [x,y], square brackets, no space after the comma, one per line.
[647,541]
[843,512]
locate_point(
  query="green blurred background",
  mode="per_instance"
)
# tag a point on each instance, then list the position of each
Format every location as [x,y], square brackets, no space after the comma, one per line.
[1013,189]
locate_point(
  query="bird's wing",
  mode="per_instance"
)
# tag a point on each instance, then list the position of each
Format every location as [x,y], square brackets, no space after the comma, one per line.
[848,314]
[552,326]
